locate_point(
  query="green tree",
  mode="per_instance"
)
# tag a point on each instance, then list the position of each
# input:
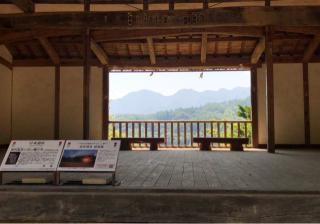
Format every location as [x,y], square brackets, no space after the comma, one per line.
[244,112]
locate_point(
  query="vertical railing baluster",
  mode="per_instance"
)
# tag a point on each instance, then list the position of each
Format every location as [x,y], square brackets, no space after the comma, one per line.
[152,129]
[205,129]
[113,130]
[139,132]
[165,134]
[171,130]
[191,133]
[178,127]
[231,129]
[219,133]
[211,128]
[127,131]
[185,134]
[120,129]
[225,132]
[239,133]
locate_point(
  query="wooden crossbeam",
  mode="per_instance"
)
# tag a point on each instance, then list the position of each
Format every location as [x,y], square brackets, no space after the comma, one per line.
[6,63]
[53,54]
[99,52]
[204,47]
[17,36]
[26,6]
[312,47]
[217,17]
[258,50]
[152,54]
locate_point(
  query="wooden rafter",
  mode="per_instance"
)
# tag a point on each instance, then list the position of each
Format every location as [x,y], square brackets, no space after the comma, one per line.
[152,54]
[312,47]
[5,62]
[204,47]
[26,6]
[258,50]
[237,16]
[53,54]
[99,52]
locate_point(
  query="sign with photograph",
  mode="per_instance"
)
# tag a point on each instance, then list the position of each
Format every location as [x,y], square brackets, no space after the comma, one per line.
[90,155]
[35,155]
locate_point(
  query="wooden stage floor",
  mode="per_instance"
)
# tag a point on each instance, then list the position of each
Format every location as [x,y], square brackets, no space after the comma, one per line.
[287,170]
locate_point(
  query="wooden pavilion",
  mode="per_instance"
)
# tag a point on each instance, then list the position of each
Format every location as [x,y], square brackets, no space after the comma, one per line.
[55,59]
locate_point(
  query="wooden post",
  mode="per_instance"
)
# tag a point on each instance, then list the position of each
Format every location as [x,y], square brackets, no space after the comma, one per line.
[306,103]
[145,4]
[57,102]
[105,103]
[269,93]
[86,85]
[205,4]
[171,5]
[267,3]
[254,106]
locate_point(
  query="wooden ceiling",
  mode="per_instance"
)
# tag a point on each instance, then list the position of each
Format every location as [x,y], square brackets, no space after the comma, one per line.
[201,47]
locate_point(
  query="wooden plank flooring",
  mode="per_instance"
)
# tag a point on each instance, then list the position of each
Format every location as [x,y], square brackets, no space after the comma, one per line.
[287,170]
[254,170]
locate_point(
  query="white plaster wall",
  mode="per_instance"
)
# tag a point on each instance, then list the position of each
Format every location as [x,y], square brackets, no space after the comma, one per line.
[96,103]
[288,104]
[33,103]
[71,109]
[314,100]
[5,104]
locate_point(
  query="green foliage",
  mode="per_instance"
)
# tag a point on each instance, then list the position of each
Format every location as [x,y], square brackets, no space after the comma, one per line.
[213,111]
[244,112]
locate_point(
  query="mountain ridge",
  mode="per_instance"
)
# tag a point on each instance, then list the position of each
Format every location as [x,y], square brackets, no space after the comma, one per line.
[148,101]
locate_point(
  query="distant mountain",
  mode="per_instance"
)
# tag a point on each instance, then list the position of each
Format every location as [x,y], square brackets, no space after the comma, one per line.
[147,102]
[211,111]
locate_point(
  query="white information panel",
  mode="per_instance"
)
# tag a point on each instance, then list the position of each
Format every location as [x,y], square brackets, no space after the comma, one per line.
[89,155]
[35,155]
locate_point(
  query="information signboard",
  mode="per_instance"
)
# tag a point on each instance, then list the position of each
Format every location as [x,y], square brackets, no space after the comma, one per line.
[90,155]
[35,155]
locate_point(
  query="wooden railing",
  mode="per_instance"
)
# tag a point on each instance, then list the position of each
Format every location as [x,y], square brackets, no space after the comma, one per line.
[180,133]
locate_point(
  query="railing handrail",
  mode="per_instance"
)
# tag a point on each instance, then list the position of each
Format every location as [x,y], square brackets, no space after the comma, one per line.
[175,121]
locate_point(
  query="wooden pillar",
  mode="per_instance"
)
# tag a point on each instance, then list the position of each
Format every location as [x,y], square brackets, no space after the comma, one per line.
[306,103]
[267,2]
[57,102]
[171,5]
[269,92]
[105,103]
[86,85]
[205,4]
[145,5]
[254,106]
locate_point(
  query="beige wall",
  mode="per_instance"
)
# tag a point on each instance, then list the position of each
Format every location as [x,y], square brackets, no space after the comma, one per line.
[314,94]
[33,103]
[71,109]
[288,103]
[96,103]
[5,102]
[261,81]
[71,103]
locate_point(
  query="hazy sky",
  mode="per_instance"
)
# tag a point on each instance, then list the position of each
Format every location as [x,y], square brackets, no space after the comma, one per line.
[167,83]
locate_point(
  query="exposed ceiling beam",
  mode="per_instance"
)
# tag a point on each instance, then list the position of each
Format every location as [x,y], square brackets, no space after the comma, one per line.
[53,54]
[152,53]
[204,47]
[258,50]
[26,6]
[6,63]
[312,47]
[17,36]
[99,52]
[237,16]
